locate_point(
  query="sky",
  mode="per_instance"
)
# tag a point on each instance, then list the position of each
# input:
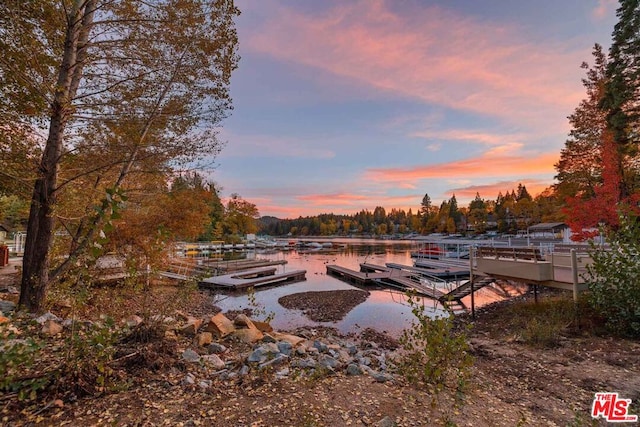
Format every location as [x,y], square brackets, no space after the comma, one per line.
[346,105]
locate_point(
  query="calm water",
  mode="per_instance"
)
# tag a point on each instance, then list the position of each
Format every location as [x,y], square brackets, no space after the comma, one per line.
[384,310]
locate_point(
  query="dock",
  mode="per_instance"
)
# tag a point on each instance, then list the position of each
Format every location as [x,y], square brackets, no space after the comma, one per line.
[452,272]
[253,278]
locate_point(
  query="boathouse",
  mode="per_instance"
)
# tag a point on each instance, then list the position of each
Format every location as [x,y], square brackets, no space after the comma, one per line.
[549,230]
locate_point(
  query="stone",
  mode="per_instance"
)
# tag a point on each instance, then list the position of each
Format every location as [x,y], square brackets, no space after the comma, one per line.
[381,377]
[328,361]
[51,327]
[48,316]
[386,422]
[189,379]
[244,370]
[6,307]
[308,363]
[220,325]
[352,349]
[322,347]
[249,336]
[285,347]
[191,328]
[204,339]
[283,373]
[262,326]
[291,339]
[263,353]
[353,369]
[276,361]
[133,321]
[204,384]
[213,360]
[12,290]
[268,338]
[190,356]
[243,320]
[216,348]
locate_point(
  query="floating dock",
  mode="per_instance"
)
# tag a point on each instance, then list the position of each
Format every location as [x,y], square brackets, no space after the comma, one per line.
[452,272]
[253,278]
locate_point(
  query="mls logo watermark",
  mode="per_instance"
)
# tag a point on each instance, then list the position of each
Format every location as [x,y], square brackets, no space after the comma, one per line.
[612,408]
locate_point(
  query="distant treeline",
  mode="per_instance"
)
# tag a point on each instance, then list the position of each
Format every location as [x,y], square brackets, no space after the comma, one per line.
[515,210]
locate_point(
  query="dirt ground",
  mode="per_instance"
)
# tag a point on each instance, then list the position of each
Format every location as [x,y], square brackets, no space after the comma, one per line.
[512,384]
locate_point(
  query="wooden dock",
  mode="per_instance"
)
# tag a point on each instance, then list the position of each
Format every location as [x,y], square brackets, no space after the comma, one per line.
[441,273]
[239,264]
[253,278]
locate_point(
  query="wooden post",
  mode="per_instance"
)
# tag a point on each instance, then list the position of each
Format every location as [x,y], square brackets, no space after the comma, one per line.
[473,304]
[574,273]
[535,293]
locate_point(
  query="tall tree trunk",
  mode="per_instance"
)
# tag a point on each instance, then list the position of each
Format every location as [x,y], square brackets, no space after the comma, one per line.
[35,264]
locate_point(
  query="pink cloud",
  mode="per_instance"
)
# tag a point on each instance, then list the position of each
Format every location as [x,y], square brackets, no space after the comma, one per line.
[490,191]
[603,9]
[488,165]
[477,67]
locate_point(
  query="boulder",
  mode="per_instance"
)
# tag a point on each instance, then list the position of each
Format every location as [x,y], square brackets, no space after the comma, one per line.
[291,339]
[262,326]
[51,327]
[249,336]
[215,348]
[220,325]
[243,321]
[204,339]
[213,360]
[191,328]
[190,356]
[6,307]
[48,316]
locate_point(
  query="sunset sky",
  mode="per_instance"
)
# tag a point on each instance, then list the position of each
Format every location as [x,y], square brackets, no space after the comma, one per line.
[344,105]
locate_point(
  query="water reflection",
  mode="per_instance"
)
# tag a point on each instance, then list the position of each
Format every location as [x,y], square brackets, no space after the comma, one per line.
[384,310]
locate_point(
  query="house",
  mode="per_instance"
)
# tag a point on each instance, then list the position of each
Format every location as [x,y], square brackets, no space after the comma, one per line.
[548,230]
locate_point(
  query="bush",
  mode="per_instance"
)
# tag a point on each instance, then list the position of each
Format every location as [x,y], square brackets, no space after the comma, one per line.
[433,353]
[17,356]
[614,278]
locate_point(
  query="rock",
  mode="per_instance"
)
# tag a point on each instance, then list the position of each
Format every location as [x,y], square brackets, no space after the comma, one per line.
[291,339]
[51,327]
[190,356]
[244,370]
[381,377]
[268,338]
[283,373]
[12,290]
[216,348]
[243,320]
[204,384]
[163,319]
[328,361]
[322,347]
[352,349]
[285,347]
[191,328]
[189,379]
[308,363]
[276,361]
[386,422]
[4,320]
[213,360]
[220,325]
[263,353]
[133,321]
[6,307]
[204,339]
[48,316]
[249,336]
[353,369]
[262,326]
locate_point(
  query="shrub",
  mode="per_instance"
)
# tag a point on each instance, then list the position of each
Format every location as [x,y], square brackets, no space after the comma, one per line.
[433,353]
[17,356]
[614,278]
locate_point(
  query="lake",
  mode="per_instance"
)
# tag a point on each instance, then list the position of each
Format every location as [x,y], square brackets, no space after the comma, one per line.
[384,310]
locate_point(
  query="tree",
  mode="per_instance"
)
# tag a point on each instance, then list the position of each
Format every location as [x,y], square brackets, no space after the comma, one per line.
[241,217]
[124,88]
[580,166]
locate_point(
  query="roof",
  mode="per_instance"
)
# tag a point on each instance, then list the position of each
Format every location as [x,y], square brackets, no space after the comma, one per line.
[3,228]
[545,226]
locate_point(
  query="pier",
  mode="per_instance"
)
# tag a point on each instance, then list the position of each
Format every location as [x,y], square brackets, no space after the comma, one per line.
[253,278]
